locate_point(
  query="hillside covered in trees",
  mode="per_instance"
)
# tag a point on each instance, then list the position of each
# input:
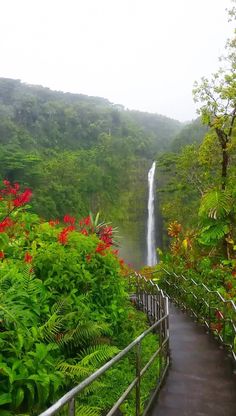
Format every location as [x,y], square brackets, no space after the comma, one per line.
[81,154]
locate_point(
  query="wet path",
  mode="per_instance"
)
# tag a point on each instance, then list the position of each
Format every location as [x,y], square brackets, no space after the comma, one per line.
[200,380]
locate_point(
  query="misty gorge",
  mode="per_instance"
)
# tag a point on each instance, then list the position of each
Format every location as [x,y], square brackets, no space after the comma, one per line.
[50,137]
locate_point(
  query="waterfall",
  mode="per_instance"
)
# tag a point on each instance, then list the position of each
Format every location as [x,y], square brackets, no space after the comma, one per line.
[151,243]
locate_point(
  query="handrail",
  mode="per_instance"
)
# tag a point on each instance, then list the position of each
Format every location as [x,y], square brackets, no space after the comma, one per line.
[209,306]
[151,299]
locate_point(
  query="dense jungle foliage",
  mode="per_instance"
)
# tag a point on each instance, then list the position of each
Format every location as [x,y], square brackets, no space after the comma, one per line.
[81,154]
[64,303]
[197,186]
[64,311]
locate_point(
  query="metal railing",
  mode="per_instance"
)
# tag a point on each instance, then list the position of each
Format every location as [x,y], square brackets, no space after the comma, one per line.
[148,297]
[208,306]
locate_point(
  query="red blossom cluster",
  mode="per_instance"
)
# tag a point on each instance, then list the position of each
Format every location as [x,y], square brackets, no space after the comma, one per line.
[219,315]
[217,327]
[84,231]
[229,285]
[101,247]
[7,222]
[63,236]
[53,222]
[23,198]
[85,221]
[13,199]
[28,258]
[105,235]
[69,220]
[10,189]
[84,224]
[13,189]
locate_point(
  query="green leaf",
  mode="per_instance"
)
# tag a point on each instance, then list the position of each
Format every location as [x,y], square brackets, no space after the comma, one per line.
[18,397]
[88,411]
[5,398]
[216,204]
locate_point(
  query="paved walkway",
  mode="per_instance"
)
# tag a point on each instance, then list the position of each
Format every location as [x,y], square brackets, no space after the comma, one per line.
[200,380]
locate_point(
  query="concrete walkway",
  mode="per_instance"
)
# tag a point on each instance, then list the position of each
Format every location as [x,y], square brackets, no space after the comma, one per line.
[200,380]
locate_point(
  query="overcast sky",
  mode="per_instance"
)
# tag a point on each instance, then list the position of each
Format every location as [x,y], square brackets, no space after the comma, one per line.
[144,54]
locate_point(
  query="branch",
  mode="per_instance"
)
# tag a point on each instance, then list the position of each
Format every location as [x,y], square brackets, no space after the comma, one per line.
[232,122]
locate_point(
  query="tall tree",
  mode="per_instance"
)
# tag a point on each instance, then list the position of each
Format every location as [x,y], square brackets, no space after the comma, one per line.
[217,97]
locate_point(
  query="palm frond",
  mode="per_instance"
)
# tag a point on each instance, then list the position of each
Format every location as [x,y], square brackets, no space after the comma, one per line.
[213,233]
[216,204]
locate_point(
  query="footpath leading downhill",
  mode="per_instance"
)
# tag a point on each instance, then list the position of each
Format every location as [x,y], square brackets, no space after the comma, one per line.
[200,380]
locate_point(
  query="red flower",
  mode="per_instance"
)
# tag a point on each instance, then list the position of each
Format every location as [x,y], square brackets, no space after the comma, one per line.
[122,263]
[69,220]
[23,198]
[217,327]
[115,252]
[88,257]
[219,315]
[70,228]
[7,222]
[229,285]
[87,220]
[2,255]
[84,232]
[53,222]
[106,236]
[100,248]
[16,186]
[6,183]
[63,236]
[28,258]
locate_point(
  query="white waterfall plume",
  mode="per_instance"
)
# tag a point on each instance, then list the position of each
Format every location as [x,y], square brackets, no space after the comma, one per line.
[151,242]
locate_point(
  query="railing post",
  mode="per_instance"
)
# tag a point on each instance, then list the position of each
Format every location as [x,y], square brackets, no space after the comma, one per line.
[224,324]
[209,312]
[167,328]
[71,407]
[137,292]
[138,370]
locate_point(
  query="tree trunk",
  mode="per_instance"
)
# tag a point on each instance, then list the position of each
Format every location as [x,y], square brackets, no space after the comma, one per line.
[223,140]
[225,163]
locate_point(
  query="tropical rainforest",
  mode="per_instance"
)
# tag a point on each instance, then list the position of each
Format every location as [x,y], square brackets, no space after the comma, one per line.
[197,191]
[81,154]
[71,164]
[74,191]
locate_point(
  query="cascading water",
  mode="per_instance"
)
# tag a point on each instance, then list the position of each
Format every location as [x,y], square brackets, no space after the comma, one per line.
[151,241]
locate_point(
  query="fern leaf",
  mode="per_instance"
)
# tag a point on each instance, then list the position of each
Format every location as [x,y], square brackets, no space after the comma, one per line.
[97,355]
[75,370]
[88,411]
[51,328]
[84,333]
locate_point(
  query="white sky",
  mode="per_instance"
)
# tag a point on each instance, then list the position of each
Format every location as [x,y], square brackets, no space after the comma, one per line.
[144,54]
